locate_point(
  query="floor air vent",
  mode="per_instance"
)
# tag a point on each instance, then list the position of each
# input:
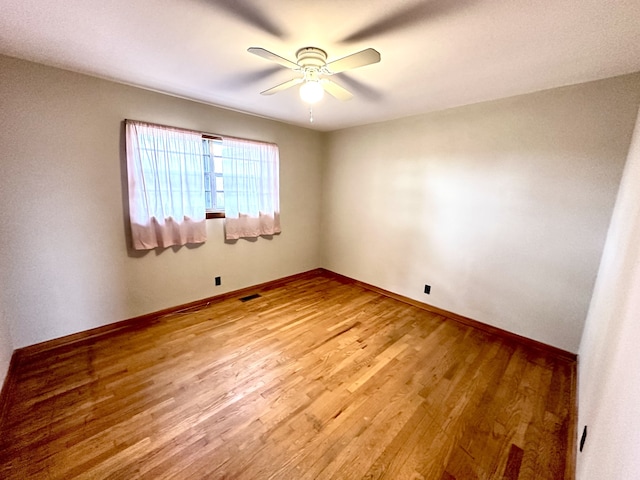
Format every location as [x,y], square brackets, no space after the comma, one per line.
[250,297]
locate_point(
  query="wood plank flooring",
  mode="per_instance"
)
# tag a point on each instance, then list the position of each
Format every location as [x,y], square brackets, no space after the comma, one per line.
[316,379]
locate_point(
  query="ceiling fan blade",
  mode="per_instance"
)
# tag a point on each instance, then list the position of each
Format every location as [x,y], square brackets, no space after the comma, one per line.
[282,86]
[335,90]
[406,17]
[250,13]
[362,89]
[248,78]
[261,52]
[360,59]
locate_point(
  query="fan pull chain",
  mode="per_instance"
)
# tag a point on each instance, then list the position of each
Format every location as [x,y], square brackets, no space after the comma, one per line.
[310,114]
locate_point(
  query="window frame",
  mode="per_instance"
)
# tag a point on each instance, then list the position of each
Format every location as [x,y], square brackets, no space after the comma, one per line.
[209,214]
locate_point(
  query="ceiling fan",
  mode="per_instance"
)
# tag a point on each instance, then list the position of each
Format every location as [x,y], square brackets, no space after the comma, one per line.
[312,63]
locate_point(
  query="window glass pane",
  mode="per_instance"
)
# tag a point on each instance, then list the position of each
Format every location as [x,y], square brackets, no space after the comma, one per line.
[217,164]
[213,175]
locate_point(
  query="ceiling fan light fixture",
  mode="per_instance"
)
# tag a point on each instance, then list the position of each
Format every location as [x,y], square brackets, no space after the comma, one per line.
[311,92]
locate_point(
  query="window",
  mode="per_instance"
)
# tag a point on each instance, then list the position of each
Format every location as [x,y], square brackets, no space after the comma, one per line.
[178,177]
[213,178]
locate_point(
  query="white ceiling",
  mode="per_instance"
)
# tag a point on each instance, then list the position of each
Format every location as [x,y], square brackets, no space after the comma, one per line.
[436,54]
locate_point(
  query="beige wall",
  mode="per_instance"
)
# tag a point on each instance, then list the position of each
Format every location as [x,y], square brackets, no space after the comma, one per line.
[501,207]
[609,356]
[6,347]
[66,266]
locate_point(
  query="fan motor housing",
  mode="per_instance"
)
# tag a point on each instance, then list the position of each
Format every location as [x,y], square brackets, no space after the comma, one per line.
[311,57]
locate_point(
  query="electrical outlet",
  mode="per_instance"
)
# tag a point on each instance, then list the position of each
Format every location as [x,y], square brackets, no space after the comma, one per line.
[427,289]
[218,281]
[583,438]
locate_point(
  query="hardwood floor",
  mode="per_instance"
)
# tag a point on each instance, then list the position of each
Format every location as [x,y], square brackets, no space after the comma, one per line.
[314,379]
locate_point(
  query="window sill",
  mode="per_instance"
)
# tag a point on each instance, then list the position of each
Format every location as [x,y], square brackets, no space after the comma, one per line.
[215,215]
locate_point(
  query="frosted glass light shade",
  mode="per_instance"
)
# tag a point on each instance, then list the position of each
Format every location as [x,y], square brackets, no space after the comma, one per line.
[311,92]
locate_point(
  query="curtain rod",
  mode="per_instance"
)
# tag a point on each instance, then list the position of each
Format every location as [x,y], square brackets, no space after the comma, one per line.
[205,135]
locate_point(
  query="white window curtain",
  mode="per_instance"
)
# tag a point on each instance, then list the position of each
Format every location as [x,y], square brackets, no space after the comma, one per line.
[251,188]
[166,186]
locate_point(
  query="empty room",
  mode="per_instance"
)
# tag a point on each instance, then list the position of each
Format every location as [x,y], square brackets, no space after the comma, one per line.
[320,240]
